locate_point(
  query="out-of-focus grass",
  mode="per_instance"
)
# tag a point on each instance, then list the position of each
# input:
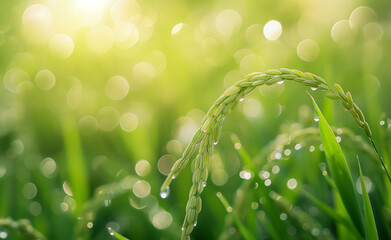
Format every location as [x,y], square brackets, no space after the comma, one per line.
[65,139]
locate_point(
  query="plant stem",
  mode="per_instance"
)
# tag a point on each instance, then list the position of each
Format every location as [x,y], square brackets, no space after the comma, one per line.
[380,158]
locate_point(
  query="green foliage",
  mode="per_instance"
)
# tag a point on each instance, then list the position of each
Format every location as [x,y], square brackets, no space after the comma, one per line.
[339,171]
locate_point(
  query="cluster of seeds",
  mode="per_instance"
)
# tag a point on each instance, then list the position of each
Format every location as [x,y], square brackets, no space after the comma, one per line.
[209,133]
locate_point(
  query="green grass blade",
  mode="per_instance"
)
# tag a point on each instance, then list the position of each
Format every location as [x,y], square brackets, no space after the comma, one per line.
[370,226]
[115,234]
[76,166]
[340,172]
[333,214]
[242,228]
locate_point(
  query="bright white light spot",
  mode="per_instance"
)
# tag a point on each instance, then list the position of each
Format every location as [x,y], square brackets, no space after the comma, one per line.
[162,220]
[272,30]
[3,235]
[287,152]
[292,183]
[283,216]
[308,50]
[90,224]
[128,122]
[100,39]
[338,138]
[312,148]
[268,182]
[45,80]
[89,12]
[178,27]
[61,45]
[228,22]
[245,175]
[117,87]
[237,145]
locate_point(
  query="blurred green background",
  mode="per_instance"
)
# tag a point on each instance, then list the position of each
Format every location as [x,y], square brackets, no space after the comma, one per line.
[100,97]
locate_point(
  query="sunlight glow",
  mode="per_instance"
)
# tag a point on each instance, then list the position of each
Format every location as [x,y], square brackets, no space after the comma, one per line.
[89,12]
[272,30]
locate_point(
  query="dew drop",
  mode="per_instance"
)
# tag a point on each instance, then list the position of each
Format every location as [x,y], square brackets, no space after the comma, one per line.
[111,232]
[165,193]
[280,82]
[229,209]
[3,234]
[241,100]
[382,123]
[316,118]
[90,224]
[195,224]
[314,88]
[204,184]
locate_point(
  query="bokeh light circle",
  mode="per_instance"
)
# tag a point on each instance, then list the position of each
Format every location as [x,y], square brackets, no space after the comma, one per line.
[117,88]
[45,80]
[61,45]
[272,30]
[308,50]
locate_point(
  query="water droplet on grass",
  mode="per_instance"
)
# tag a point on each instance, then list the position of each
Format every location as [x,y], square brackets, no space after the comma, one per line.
[314,88]
[111,232]
[165,193]
[280,82]
[316,118]
[3,234]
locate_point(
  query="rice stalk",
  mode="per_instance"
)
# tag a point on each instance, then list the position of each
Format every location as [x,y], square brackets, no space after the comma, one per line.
[23,226]
[209,133]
